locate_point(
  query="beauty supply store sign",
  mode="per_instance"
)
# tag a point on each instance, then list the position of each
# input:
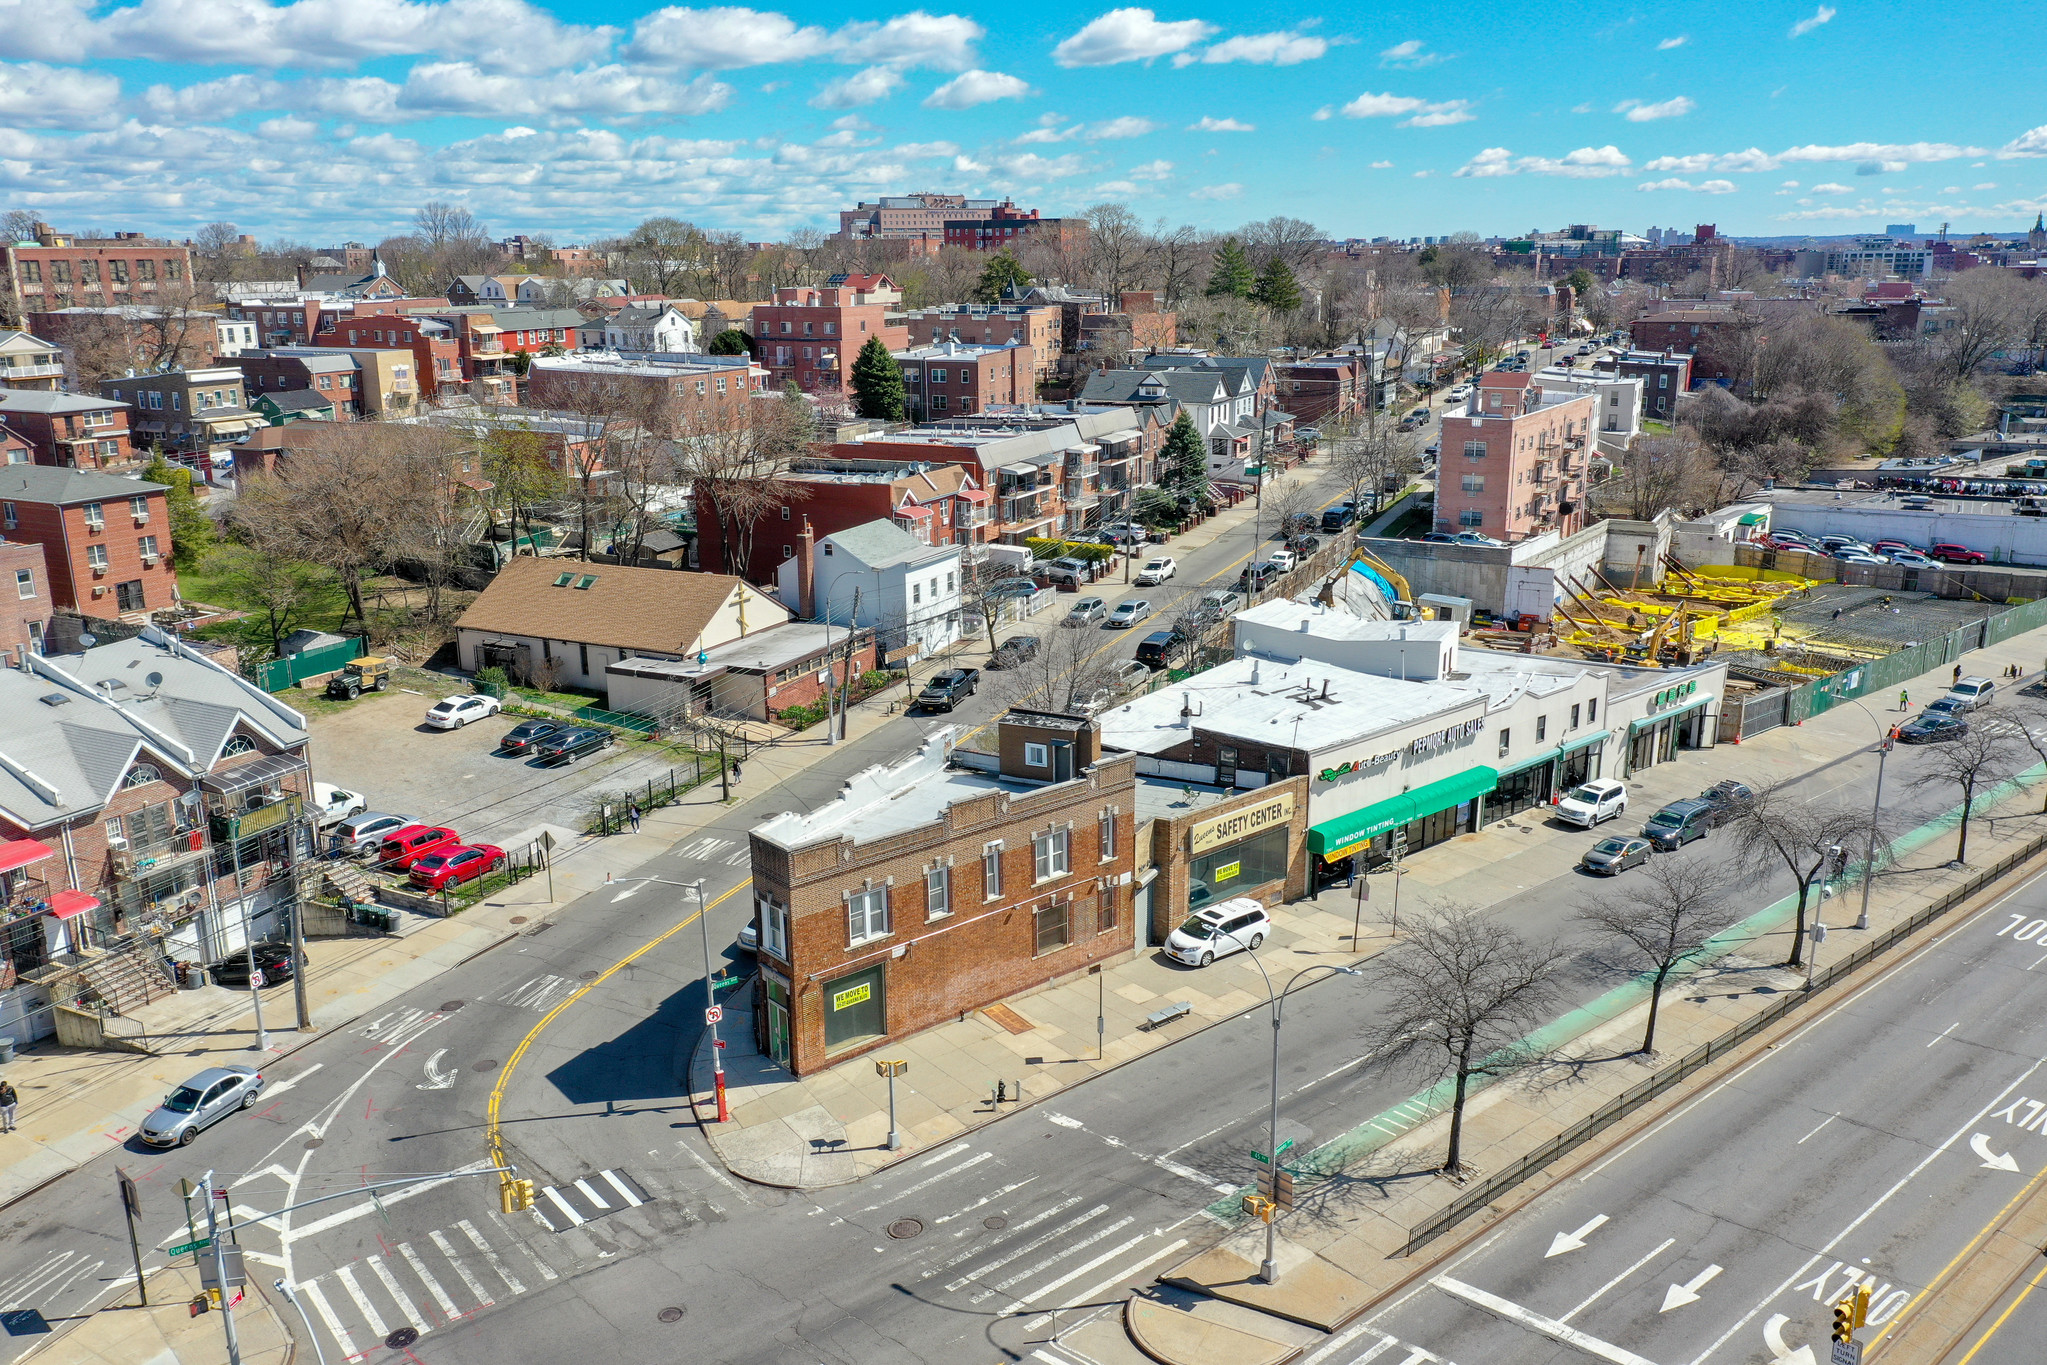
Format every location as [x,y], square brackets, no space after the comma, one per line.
[1241,824]
[1420,747]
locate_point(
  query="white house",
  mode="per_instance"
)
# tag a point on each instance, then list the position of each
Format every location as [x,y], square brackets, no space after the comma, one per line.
[878,576]
[1619,418]
[650,327]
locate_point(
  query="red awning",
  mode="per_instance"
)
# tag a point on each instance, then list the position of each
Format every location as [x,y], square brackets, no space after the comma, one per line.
[22,852]
[65,904]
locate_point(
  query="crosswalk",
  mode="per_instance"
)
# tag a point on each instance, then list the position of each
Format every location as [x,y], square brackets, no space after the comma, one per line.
[444,1277]
[581,1201]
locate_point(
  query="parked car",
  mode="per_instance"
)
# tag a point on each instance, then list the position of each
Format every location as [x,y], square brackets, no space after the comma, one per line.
[361,834]
[1729,799]
[1479,539]
[1258,576]
[1458,393]
[566,746]
[1217,604]
[1303,546]
[1128,613]
[1155,651]
[453,866]
[1932,727]
[452,713]
[331,804]
[1335,518]
[1611,857]
[1307,435]
[1892,547]
[1003,588]
[749,941]
[1230,926]
[1913,559]
[1123,533]
[1017,649]
[1839,542]
[371,673]
[1678,824]
[1958,554]
[1858,557]
[1069,570]
[1117,681]
[1086,612]
[521,738]
[1157,570]
[274,960]
[200,1103]
[948,689]
[1593,803]
[402,848]
[1971,694]
[1439,538]
[1283,560]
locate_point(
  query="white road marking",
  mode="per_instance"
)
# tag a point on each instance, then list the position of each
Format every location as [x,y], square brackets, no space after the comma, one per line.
[469,1230]
[933,1180]
[1028,1247]
[984,1201]
[1070,1276]
[568,1211]
[630,891]
[382,1200]
[346,1274]
[1088,1295]
[1993,1161]
[1571,1241]
[398,1295]
[1825,1121]
[1063,1121]
[632,1200]
[314,1296]
[1944,1032]
[712,1171]
[1678,1295]
[289,1082]
[971,1252]
[591,1194]
[1536,1322]
[1773,1337]
[1047,1262]
[1345,1338]
[433,1286]
[1668,1242]
[1172,1167]
[942,1154]
[540,995]
[436,1079]
[482,1296]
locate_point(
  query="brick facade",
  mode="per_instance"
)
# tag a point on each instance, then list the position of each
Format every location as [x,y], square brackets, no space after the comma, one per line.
[107,542]
[59,271]
[810,337]
[24,600]
[1170,853]
[955,379]
[71,430]
[1515,464]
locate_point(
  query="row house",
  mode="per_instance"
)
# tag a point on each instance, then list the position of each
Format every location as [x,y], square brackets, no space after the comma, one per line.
[106,539]
[330,376]
[25,605]
[810,336]
[1518,455]
[1037,327]
[487,338]
[953,377]
[57,270]
[1129,443]
[532,291]
[383,381]
[196,417]
[657,327]
[69,430]
[436,352]
[1324,388]
[680,394]
[29,362]
[939,504]
[153,807]
[1222,405]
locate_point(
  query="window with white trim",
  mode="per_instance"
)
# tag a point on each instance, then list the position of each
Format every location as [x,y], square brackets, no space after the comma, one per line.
[1037,756]
[866,915]
[937,891]
[96,556]
[1108,823]
[991,870]
[774,925]
[1049,853]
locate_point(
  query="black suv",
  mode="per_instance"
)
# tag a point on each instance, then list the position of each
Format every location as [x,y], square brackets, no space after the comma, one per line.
[1729,799]
[566,746]
[1335,518]
[1679,823]
[946,690]
[522,738]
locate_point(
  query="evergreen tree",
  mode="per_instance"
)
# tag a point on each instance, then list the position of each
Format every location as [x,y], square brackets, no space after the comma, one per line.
[1002,271]
[878,383]
[1231,271]
[1277,289]
[191,530]
[1184,461]
[731,341]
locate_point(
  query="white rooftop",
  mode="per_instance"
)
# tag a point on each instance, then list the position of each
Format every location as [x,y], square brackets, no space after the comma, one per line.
[888,799]
[1308,618]
[1308,706]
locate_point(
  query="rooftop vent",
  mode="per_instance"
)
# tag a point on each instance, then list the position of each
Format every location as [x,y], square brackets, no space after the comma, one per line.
[56,698]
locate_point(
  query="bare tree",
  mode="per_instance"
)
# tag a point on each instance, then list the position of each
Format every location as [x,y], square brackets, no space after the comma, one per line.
[440,223]
[1984,755]
[1660,920]
[1659,472]
[1373,457]
[1783,826]
[19,225]
[734,457]
[1287,505]
[663,253]
[1462,996]
[1991,310]
[1073,666]
[1179,259]
[1293,240]
[1117,250]
[281,590]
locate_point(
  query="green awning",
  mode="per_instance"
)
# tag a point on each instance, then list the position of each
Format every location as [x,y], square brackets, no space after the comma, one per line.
[1584,741]
[1636,727]
[1529,762]
[1753,519]
[1348,833]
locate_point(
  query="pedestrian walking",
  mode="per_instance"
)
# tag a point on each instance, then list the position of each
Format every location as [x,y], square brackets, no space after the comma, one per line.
[632,814]
[1958,673]
[735,770]
[8,1099]
[1904,700]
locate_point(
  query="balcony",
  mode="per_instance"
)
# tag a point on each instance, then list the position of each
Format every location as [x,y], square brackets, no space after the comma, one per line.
[50,371]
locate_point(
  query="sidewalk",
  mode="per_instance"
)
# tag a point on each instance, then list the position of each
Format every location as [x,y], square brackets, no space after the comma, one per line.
[167,1333]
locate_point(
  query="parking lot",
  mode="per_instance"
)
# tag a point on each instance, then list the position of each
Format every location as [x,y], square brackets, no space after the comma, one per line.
[379,746]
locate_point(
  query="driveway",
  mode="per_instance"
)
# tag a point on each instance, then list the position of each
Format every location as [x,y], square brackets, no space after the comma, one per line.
[381,747]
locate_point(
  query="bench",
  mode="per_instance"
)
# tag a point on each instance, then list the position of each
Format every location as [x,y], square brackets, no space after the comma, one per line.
[1167,1015]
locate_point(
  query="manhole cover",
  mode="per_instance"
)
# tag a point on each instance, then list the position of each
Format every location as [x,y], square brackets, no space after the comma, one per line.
[518,919]
[995,1224]
[591,976]
[905,1228]
[485,1066]
[402,1338]
[311,1143]
[671,1314]
[450,1006]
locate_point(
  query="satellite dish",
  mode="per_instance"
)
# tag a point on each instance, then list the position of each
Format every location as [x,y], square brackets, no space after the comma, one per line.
[88,640]
[154,680]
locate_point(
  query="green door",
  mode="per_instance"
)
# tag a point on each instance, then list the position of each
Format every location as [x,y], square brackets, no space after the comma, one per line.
[778,1023]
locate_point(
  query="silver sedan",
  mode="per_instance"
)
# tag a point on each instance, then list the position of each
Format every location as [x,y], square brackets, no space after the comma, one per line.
[201,1102]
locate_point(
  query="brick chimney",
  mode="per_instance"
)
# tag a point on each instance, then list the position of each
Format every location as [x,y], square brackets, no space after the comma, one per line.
[806,573]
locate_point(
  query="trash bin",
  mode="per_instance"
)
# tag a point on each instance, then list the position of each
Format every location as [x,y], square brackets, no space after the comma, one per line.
[6,1051]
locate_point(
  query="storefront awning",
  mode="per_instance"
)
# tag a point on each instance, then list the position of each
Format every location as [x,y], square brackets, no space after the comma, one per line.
[1752,519]
[1547,755]
[1584,741]
[65,904]
[1637,727]
[21,852]
[1348,833]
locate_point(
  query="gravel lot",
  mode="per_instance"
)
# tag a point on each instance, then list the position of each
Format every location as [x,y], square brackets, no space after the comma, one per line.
[381,747]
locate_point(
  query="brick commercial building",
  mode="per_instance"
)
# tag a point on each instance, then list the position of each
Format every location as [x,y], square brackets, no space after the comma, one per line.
[927,889]
[1513,465]
[24,601]
[69,430]
[1035,326]
[58,270]
[1006,226]
[107,538]
[810,337]
[956,379]
[1689,331]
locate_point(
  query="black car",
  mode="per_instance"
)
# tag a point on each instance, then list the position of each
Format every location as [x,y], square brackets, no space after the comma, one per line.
[274,960]
[1729,799]
[521,738]
[948,689]
[1017,649]
[1932,728]
[1303,546]
[1156,650]
[1335,518]
[1678,824]
[566,746]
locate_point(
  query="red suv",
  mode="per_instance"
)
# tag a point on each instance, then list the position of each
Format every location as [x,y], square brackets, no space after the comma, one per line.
[412,843]
[1958,554]
[452,866]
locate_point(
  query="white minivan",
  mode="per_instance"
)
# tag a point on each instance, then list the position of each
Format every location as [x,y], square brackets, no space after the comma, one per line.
[1232,926]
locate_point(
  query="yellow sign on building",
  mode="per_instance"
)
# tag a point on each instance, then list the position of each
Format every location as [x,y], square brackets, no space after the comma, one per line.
[1241,824]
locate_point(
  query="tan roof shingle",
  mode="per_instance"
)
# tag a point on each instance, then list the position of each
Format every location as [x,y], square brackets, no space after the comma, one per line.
[659,610]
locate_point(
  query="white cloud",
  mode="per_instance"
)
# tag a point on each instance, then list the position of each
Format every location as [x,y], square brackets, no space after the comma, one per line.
[1119,189]
[1423,113]
[2032,142]
[1229,191]
[1260,49]
[289,129]
[1031,166]
[944,42]
[970,88]
[209,100]
[1755,159]
[870,86]
[1587,163]
[520,130]
[1130,35]
[1789,185]
[1493,161]
[1639,112]
[1838,211]
[1668,43]
[729,38]
[1411,55]
[1986,185]
[1382,165]
[1704,187]
[1127,126]
[1832,187]
[602,92]
[1211,124]
[1152,170]
[33,95]
[852,122]
[1824,14]
[1324,112]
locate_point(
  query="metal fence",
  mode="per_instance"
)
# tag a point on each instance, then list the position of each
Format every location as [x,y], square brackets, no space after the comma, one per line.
[1627,1102]
[293,669]
[613,810]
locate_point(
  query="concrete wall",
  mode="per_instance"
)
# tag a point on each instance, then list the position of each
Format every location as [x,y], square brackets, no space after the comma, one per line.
[1449,570]
[1414,658]
[1636,548]
[2005,538]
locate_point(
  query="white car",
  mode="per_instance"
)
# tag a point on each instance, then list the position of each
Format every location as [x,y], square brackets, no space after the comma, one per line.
[1231,926]
[1157,570]
[1129,613]
[452,713]
[1595,802]
[332,805]
[1283,558]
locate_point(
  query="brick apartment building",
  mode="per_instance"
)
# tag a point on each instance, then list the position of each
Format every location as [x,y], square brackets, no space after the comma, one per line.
[1323,388]
[1006,226]
[676,394]
[436,353]
[1687,331]
[954,378]
[1037,327]
[69,430]
[196,416]
[107,538]
[810,336]
[1513,465]
[1666,377]
[330,375]
[940,504]
[915,216]
[58,270]
[24,601]
[927,889]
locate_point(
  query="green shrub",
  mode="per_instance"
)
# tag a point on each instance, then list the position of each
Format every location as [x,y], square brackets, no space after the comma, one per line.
[492,681]
[801,717]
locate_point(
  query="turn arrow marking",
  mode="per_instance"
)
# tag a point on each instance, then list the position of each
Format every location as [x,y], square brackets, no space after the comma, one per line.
[436,1079]
[1996,1161]
[1681,1294]
[1773,1337]
[1571,1241]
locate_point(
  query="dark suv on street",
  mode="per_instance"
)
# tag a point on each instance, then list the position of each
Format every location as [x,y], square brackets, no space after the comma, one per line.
[1679,823]
[948,689]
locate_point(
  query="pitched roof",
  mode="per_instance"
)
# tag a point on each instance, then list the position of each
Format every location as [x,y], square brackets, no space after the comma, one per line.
[634,313]
[658,610]
[1181,386]
[52,484]
[880,544]
[52,401]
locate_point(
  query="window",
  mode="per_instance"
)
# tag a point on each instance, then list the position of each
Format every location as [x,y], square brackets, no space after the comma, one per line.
[866,915]
[1662,381]
[146,546]
[117,833]
[916,594]
[1474,450]
[31,272]
[141,775]
[60,272]
[1574,717]
[937,375]
[948,573]
[1592,711]
[173,270]
[240,744]
[89,272]
[937,892]
[96,556]
[24,583]
[8,517]
[1037,756]
[831,329]
[991,870]
[1106,909]
[95,515]
[155,399]
[785,329]
[1473,483]
[938,402]
[1471,516]
[146,270]
[138,507]
[326,381]
[1050,927]
[1504,737]
[1541,728]
[1049,850]
[774,924]
[809,329]
[1108,835]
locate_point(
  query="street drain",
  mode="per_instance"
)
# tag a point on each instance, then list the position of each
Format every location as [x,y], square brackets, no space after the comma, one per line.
[671,1314]
[995,1223]
[485,1066]
[450,1006]
[402,1338]
[905,1228]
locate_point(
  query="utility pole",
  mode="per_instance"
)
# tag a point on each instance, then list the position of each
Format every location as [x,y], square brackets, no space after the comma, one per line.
[1883,752]
[712,1013]
[248,938]
[220,1270]
[298,933]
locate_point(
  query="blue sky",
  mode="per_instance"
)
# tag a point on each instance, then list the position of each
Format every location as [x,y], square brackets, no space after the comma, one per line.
[325,119]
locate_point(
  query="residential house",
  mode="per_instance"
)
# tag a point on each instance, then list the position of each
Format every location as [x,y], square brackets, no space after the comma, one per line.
[25,603]
[1222,404]
[1513,465]
[69,430]
[29,362]
[196,416]
[759,677]
[864,288]
[1618,399]
[1324,388]
[1666,376]
[878,577]
[938,503]
[809,336]
[107,539]
[925,891]
[650,327]
[953,377]
[1035,326]
[383,384]
[564,622]
[57,270]
[232,337]
[329,374]
[435,350]
[14,447]
[686,392]
[1691,331]
[373,285]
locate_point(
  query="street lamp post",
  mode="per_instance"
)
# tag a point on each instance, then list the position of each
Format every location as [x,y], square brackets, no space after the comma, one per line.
[696,888]
[1268,1271]
[1883,752]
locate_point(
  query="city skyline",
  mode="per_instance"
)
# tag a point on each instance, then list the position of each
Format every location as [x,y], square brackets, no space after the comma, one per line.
[296,121]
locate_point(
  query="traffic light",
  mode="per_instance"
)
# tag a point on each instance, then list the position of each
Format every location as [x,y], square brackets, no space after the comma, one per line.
[1861,1305]
[515,1196]
[213,1298]
[1850,1313]
[1259,1207]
